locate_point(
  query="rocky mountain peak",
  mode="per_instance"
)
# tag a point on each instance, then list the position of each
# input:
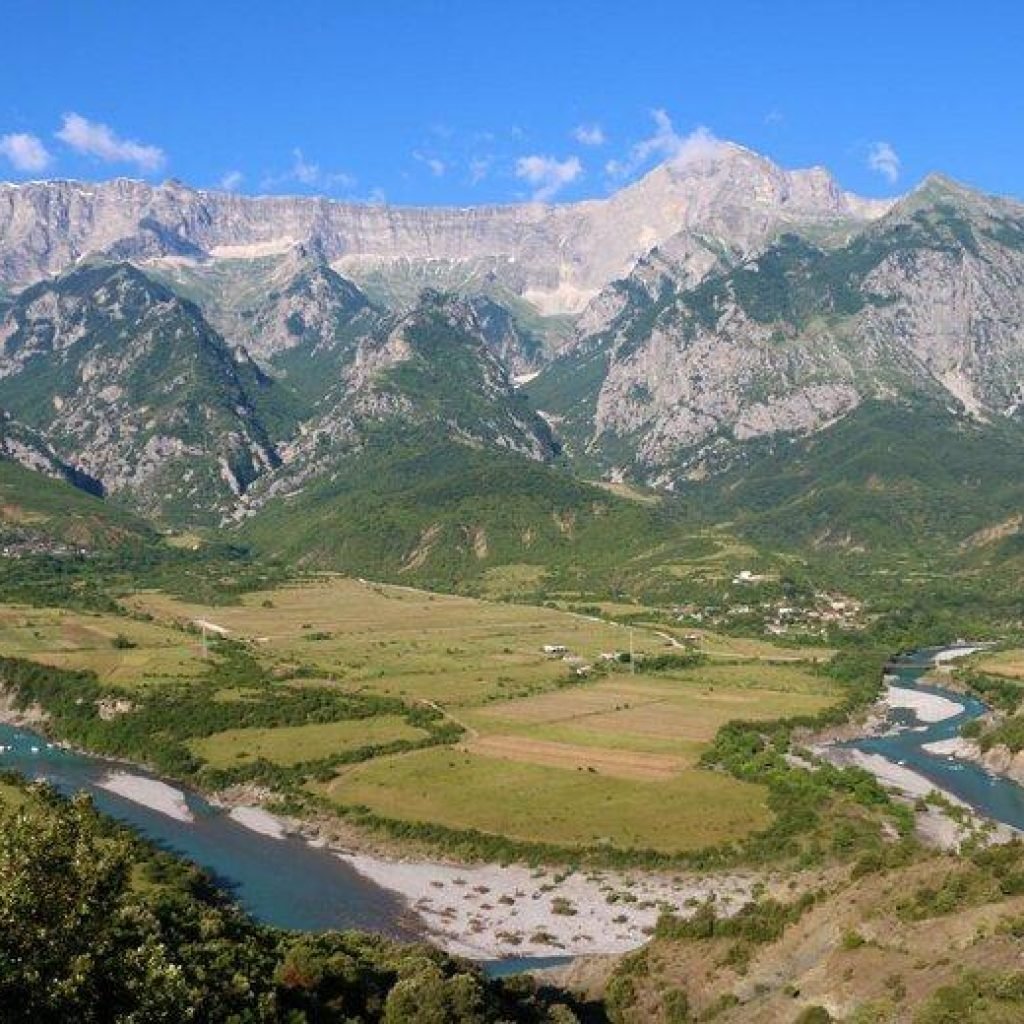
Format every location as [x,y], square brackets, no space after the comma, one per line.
[555,258]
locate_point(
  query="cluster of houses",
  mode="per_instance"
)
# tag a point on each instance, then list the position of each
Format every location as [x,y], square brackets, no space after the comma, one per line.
[819,614]
[26,547]
[579,665]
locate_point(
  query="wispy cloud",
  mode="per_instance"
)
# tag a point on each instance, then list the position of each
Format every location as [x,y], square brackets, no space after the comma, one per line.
[547,174]
[884,160]
[309,174]
[24,152]
[589,134]
[304,172]
[91,138]
[231,181]
[479,168]
[666,144]
[435,164]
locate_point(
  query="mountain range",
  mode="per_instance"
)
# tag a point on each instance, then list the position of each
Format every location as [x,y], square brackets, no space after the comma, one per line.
[210,358]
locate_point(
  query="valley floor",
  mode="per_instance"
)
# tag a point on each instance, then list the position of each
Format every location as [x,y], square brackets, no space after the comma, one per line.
[330,701]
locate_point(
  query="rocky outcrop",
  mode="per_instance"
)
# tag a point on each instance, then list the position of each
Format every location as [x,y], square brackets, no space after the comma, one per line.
[556,257]
[692,351]
[1002,761]
[130,385]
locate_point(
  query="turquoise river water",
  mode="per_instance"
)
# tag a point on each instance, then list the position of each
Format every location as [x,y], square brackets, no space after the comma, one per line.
[291,884]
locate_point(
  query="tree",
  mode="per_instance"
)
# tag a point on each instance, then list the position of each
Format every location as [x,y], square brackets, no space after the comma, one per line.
[74,945]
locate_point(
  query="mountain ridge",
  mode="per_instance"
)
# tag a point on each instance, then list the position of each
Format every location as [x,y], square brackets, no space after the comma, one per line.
[556,256]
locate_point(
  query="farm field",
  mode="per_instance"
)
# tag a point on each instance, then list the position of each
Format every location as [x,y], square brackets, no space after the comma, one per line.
[544,803]
[145,653]
[406,643]
[291,744]
[676,713]
[610,762]
[607,758]
[1009,664]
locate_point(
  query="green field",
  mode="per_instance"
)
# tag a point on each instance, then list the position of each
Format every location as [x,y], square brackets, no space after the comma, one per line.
[288,745]
[555,805]
[119,649]
[669,714]
[318,677]
[407,643]
[611,762]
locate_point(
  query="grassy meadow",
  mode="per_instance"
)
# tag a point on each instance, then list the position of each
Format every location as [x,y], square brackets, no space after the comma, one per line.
[293,744]
[1008,664]
[533,802]
[121,651]
[439,710]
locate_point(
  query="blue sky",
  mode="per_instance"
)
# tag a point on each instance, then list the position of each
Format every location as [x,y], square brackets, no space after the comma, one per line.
[430,102]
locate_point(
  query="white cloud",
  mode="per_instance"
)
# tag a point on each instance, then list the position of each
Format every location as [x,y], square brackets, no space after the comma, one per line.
[94,139]
[303,172]
[589,135]
[231,181]
[25,152]
[547,174]
[437,166]
[884,160]
[666,144]
[310,174]
[479,168]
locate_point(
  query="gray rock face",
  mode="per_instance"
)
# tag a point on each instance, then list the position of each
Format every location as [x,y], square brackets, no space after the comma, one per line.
[116,375]
[27,447]
[713,303]
[691,352]
[130,385]
[556,257]
[430,369]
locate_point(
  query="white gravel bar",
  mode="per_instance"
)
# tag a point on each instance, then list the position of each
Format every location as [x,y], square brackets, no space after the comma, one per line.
[151,793]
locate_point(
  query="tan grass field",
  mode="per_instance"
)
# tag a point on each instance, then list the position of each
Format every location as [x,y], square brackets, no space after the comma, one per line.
[288,745]
[552,767]
[545,803]
[407,643]
[79,640]
[1003,663]
[622,764]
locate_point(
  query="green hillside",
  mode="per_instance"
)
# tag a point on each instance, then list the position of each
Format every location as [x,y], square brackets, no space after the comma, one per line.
[443,514]
[40,513]
[887,477]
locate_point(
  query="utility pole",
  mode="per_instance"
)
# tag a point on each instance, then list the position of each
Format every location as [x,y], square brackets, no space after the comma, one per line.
[632,656]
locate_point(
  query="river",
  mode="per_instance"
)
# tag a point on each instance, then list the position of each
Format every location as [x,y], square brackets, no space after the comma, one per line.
[291,884]
[281,881]
[990,795]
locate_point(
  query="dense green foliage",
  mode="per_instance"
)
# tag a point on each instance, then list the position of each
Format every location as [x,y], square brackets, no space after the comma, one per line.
[757,922]
[888,477]
[435,513]
[164,719]
[98,928]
